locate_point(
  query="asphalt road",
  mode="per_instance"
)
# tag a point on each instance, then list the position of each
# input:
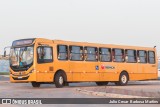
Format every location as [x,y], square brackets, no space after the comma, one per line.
[25,90]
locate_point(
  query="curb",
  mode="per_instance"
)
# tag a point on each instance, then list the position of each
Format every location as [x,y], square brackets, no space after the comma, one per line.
[110,95]
[4,81]
[4,75]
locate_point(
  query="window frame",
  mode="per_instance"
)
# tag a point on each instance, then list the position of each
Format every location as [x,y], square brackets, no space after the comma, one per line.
[143,56]
[152,57]
[76,53]
[61,52]
[97,54]
[51,60]
[118,55]
[131,56]
[105,54]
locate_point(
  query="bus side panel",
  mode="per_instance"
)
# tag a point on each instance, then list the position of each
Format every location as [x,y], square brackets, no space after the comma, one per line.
[130,68]
[63,65]
[76,68]
[144,72]
[90,71]
[91,76]
[44,72]
[85,77]
[110,76]
[108,71]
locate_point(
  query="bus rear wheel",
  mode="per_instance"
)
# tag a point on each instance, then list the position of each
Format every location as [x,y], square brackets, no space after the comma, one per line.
[102,83]
[123,79]
[36,84]
[59,80]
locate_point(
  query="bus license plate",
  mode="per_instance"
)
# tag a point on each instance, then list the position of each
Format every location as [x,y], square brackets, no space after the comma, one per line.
[19,77]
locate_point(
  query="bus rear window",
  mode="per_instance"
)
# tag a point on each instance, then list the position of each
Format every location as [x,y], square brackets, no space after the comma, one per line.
[151,57]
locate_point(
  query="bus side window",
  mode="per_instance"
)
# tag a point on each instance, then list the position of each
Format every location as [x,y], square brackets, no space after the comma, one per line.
[130,56]
[113,55]
[41,53]
[91,53]
[85,53]
[118,55]
[96,54]
[44,54]
[138,59]
[76,53]
[105,54]
[126,55]
[62,52]
[142,56]
[151,57]
[81,53]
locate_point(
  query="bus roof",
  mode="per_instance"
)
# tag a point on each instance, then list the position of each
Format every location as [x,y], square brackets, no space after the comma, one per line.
[89,44]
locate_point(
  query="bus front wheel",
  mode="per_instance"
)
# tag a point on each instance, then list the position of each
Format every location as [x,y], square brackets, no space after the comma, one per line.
[59,80]
[102,83]
[36,84]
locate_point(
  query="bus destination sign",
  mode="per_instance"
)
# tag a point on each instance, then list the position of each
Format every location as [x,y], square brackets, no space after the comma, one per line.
[23,42]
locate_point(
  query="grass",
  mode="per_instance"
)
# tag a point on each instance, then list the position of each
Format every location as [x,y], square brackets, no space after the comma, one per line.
[4,73]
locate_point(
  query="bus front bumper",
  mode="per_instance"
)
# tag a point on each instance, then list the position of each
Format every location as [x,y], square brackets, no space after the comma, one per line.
[23,78]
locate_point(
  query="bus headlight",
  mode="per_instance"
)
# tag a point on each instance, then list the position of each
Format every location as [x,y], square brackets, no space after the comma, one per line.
[32,71]
[10,72]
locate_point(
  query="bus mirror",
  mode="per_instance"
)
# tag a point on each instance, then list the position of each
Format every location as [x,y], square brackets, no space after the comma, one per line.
[5,53]
[39,44]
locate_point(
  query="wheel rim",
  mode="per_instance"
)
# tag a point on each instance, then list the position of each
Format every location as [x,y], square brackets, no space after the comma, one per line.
[124,79]
[61,80]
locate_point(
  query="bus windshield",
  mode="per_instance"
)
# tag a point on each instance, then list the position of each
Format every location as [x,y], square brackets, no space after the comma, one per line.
[21,57]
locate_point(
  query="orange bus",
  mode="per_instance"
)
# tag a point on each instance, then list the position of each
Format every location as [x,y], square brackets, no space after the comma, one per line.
[39,61]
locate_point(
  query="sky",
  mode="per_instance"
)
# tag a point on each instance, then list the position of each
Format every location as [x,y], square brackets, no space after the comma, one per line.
[122,22]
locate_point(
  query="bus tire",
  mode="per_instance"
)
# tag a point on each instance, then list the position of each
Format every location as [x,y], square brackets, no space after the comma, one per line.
[36,84]
[102,83]
[123,79]
[59,80]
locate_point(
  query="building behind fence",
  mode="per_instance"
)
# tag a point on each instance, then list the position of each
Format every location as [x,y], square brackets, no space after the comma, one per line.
[4,65]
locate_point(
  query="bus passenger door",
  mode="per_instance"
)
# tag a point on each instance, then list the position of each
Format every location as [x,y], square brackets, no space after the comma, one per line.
[44,66]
